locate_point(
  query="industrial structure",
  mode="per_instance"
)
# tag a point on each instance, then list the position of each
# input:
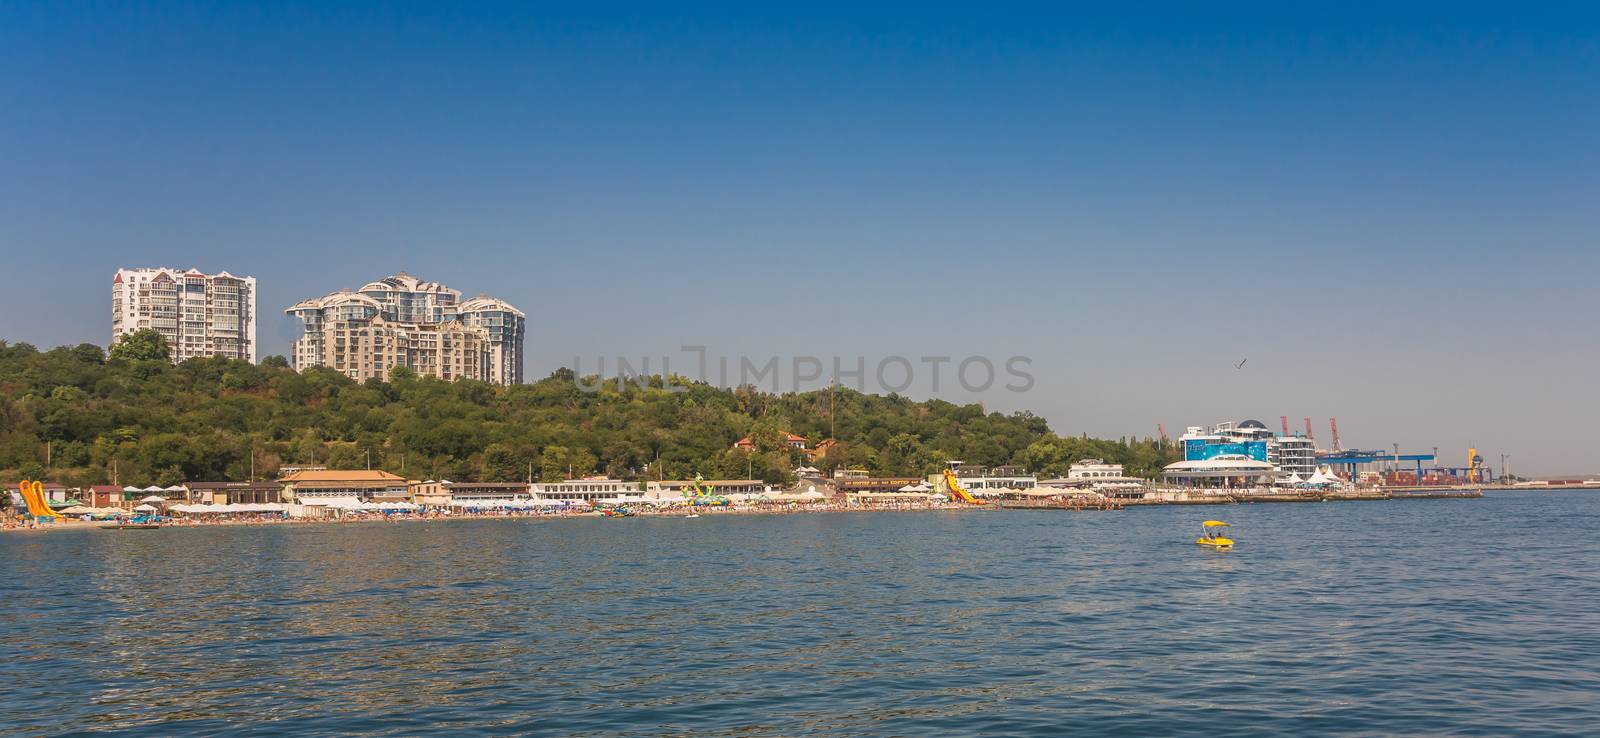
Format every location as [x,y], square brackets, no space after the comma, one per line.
[1295,456]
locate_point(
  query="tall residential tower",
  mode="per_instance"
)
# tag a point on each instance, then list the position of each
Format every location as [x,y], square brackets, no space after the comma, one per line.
[199,314]
[405,321]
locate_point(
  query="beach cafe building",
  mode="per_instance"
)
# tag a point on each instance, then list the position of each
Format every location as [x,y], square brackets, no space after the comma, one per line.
[875,485]
[596,490]
[336,488]
[234,493]
[1227,471]
[441,493]
[979,481]
[676,488]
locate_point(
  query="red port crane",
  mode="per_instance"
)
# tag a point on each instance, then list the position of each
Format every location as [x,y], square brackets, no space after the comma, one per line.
[1333,425]
[1285,420]
[1308,428]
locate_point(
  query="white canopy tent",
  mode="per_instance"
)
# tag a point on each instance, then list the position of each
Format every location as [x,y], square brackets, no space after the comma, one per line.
[238,507]
[388,506]
[1323,478]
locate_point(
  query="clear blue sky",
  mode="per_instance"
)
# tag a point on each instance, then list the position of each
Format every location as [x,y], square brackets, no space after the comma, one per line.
[1393,213]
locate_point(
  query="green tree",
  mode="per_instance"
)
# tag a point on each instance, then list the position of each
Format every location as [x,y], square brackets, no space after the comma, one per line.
[213,418]
[89,353]
[141,345]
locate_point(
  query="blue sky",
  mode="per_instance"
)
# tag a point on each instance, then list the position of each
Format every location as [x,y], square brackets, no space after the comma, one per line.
[1389,211]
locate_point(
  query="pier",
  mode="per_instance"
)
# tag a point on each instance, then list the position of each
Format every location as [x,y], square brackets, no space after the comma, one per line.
[1155,497]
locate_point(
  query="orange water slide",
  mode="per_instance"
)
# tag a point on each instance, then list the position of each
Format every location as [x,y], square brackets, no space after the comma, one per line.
[958,491]
[33,495]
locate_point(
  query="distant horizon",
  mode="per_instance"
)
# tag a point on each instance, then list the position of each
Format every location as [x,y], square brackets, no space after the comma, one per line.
[1385,213]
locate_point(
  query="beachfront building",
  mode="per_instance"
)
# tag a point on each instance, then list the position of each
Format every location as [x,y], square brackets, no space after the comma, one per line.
[55,493]
[977,478]
[855,487]
[486,493]
[404,321]
[103,495]
[599,489]
[1289,454]
[1090,469]
[336,488]
[234,493]
[1293,455]
[1227,471]
[673,489]
[199,314]
[1095,474]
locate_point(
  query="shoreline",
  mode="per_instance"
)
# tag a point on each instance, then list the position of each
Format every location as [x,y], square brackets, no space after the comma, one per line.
[419,518]
[707,511]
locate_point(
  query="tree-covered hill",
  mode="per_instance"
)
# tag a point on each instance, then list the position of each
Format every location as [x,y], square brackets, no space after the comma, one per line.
[77,416]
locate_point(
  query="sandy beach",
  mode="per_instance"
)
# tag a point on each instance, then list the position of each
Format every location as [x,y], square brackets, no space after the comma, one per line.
[18,526]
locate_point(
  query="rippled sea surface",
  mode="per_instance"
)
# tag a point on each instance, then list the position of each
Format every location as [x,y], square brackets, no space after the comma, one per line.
[1463,617]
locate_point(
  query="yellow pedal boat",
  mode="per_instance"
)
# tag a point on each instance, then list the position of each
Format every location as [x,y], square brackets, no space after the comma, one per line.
[1211,534]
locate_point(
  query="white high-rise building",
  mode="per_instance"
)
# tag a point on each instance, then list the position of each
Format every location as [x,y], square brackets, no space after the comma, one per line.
[199,314]
[506,326]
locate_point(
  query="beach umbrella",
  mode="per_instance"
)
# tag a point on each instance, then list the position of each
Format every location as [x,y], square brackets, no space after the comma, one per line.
[131,488]
[154,498]
[145,508]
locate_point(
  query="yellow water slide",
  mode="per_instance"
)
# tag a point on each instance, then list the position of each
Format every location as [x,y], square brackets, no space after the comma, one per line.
[958,491]
[33,495]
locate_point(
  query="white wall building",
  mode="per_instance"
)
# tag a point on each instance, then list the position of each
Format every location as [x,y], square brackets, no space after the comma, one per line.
[977,478]
[1094,469]
[199,314]
[1293,455]
[588,490]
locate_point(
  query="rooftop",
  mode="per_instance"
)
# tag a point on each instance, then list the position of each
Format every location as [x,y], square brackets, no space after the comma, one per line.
[342,475]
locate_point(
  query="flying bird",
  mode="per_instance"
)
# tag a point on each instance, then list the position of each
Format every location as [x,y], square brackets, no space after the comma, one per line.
[1240,365]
